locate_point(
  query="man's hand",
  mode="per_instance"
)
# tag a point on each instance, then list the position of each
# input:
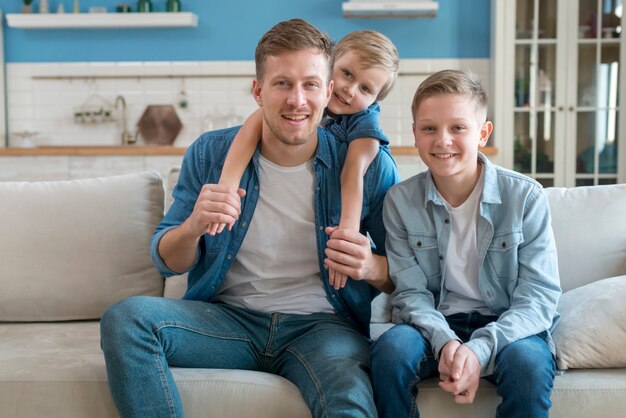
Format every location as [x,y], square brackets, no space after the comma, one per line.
[350,253]
[464,377]
[216,204]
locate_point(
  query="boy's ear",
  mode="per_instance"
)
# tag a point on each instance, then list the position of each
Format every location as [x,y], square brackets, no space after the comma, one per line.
[256,92]
[329,91]
[485,132]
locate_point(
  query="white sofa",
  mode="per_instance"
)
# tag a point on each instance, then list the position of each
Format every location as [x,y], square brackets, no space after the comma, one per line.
[69,249]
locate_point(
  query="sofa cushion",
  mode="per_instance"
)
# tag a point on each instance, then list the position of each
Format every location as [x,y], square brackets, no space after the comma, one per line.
[69,249]
[592,330]
[590,231]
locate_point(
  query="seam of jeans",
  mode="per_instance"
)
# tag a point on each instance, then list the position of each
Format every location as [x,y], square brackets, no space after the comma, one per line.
[164,384]
[273,329]
[227,336]
[314,379]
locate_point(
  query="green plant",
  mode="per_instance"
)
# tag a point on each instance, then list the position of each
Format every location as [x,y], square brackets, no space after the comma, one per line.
[27,2]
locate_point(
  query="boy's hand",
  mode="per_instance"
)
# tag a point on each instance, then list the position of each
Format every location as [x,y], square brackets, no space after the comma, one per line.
[464,377]
[446,360]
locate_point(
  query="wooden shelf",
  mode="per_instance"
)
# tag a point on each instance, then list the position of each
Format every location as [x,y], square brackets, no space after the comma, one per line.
[153,150]
[94,151]
[101,20]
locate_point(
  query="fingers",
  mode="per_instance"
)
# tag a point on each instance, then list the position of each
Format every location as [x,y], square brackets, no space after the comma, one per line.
[216,206]
[337,279]
[348,252]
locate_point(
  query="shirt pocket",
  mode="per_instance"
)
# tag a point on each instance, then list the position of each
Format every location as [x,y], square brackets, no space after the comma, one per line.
[502,254]
[426,250]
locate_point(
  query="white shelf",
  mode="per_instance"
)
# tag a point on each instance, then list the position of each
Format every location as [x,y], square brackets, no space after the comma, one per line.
[102,20]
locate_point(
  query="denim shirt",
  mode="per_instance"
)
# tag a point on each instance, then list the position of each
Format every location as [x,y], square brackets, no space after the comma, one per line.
[203,164]
[363,124]
[518,276]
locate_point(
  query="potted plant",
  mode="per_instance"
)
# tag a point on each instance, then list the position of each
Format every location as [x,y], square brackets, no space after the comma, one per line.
[27,8]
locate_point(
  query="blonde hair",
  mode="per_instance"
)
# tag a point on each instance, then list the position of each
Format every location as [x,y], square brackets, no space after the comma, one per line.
[292,35]
[452,82]
[374,50]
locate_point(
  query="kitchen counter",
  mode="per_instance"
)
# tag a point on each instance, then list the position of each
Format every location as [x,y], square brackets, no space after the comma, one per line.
[132,150]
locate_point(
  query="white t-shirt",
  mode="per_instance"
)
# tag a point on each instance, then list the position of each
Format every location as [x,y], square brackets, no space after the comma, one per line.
[277,267]
[462,263]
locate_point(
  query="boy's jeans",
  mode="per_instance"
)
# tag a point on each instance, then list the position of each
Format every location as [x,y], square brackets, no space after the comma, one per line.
[402,357]
[320,353]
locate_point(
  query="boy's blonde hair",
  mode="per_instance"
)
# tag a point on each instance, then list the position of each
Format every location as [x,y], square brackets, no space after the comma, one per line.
[374,50]
[293,35]
[452,82]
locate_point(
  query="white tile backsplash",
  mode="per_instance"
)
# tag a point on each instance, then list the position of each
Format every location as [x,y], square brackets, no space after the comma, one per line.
[42,97]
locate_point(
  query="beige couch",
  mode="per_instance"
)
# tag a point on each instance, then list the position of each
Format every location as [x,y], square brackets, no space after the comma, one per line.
[69,249]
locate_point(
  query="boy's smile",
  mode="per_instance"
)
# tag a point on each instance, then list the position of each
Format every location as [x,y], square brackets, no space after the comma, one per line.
[356,88]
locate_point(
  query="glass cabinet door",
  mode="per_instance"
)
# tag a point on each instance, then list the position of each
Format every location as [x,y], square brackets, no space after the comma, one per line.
[597,109]
[535,89]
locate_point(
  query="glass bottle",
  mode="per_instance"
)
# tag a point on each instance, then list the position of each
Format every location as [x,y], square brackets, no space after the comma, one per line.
[173,6]
[144,6]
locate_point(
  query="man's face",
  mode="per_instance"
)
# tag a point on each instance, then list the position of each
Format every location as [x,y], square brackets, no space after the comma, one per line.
[293,94]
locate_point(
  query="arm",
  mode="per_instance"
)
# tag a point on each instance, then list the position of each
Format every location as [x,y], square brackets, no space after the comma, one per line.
[242,150]
[534,299]
[239,155]
[361,153]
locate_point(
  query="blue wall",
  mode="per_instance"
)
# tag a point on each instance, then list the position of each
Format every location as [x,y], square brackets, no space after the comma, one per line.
[230,29]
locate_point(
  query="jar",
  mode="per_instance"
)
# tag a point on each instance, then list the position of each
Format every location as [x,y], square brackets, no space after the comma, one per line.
[173,6]
[144,6]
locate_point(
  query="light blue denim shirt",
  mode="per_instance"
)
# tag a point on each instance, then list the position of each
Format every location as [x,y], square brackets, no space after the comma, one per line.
[518,277]
[203,164]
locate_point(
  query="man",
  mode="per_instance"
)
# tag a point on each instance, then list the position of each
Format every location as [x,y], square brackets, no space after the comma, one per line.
[269,270]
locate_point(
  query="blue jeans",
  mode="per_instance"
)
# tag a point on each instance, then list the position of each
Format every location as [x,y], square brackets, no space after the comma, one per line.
[325,357]
[402,357]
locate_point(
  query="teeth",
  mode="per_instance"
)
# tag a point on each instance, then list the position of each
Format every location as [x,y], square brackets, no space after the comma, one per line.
[296,117]
[443,156]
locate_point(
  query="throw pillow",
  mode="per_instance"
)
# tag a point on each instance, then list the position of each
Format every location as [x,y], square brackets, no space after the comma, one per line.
[592,329]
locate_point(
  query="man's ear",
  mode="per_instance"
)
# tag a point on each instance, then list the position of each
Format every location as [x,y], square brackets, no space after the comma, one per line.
[256,92]
[485,132]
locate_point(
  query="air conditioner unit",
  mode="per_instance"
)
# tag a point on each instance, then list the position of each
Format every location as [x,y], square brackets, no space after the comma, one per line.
[390,8]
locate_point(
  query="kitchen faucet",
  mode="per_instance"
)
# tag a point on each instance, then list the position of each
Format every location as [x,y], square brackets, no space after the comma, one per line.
[127,137]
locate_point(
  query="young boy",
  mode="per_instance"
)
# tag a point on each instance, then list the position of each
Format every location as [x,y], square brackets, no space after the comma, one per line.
[473,259]
[365,69]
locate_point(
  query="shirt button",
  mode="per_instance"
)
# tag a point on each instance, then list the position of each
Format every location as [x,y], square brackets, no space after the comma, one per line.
[321,227]
[419,243]
[503,244]
[441,257]
[447,220]
[229,257]
[243,224]
[256,187]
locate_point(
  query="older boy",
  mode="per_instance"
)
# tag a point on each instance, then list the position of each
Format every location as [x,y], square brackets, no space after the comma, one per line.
[258,297]
[473,259]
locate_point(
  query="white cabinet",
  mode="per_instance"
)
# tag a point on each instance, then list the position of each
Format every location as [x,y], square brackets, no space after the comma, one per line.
[558,107]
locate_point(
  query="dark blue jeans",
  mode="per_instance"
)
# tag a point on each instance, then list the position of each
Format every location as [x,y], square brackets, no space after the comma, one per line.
[325,357]
[402,357]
